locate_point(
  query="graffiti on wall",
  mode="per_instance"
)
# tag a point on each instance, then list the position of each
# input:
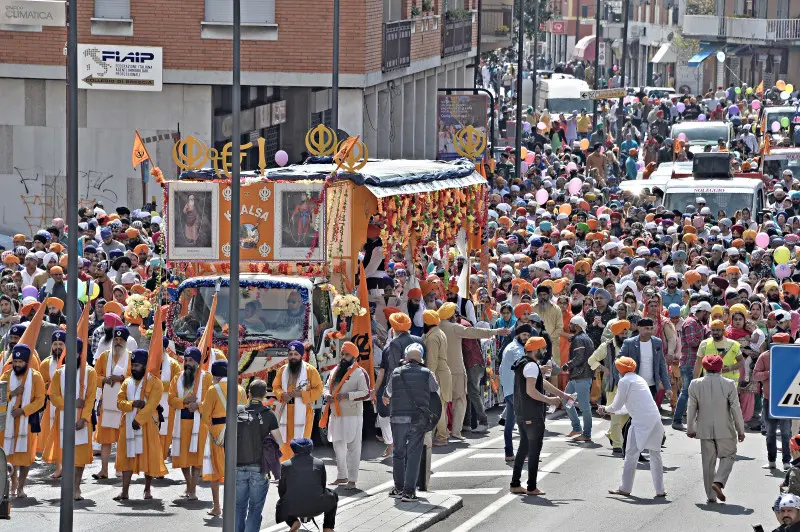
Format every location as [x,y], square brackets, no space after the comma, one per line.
[45,195]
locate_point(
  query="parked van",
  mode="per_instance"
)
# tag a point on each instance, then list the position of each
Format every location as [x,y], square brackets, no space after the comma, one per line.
[562,96]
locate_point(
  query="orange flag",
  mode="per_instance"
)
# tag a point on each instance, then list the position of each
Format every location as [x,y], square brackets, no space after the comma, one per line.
[208,336]
[30,336]
[156,355]
[344,152]
[139,154]
[362,328]
[760,88]
[765,149]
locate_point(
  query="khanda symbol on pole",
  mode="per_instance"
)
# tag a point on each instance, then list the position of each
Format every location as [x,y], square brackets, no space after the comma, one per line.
[321,141]
[192,154]
[470,142]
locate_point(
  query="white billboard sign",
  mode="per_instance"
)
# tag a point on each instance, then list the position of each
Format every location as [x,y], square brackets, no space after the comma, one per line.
[33,13]
[119,68]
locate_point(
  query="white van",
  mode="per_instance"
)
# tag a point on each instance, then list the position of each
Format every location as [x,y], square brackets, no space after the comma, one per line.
[702,134]
[562,96]
[780,159]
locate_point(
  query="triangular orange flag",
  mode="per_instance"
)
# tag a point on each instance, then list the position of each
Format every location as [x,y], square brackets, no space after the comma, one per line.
[206,341]
[362,328]
[30,336]
[139,153]
[156,355]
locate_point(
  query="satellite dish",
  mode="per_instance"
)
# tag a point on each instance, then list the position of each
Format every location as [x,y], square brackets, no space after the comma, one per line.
[721,56]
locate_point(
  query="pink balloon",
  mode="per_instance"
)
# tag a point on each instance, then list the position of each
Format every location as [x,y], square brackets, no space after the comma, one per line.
[682,137]
[755,105]
[762,240]
[529,158]
[281,158]
[541,126]
[776,126]
[574,186]
[601,210]
[783,271]
[542,196]
[571,167]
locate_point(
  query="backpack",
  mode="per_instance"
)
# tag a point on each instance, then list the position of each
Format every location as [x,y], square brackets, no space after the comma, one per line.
[251,448]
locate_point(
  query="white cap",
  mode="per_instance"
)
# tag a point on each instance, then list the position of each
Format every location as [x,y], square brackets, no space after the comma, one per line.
[699,199]
[579,321]
[156,220]
[542,265]
[609,246]
[703,270]
[128,278]
[641,250]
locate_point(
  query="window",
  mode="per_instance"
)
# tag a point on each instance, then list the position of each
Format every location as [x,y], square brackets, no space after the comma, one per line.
[392,10]
[112,9]
[783,9]
[253,11]
[584,11]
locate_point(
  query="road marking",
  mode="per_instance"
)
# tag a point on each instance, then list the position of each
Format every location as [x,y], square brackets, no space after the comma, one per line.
[467,491]
[500,455]
[457,474]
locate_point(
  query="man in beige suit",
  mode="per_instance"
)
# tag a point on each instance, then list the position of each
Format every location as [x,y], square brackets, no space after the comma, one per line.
[455,360]
[436,361]
[715,417]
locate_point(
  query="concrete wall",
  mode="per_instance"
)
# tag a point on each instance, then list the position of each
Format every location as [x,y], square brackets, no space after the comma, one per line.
[33,145]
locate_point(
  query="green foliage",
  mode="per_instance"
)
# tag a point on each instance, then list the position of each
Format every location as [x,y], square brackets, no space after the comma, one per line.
[415,11]
[529,11]
[427,5]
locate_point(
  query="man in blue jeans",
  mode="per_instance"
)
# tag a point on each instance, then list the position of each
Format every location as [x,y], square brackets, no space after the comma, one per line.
[256,422]
[513,352]
[771,424]
[692,333]
[580,379]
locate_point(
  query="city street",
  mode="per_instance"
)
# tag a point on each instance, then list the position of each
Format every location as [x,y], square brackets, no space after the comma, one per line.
[576,478]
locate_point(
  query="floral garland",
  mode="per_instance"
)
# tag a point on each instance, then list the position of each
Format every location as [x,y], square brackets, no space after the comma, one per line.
[347,306]
[138,306]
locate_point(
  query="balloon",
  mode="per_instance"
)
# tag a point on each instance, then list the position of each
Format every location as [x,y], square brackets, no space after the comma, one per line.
[529,159]
[701,117]
[785,95]
[781,255]
[95,290]
[782,271]
[635,99]
[780,84]
[523,152]
[755,105]
[789,87]
[762,240]
[574,186]
[601,210]
[681,107]
[542,196]
[733,110]
[776,126]
[281,158]
[785,121]
[584,144]
[682,137]
[29,291]
[640,165]
[571,167]
[523,167]
[749,90]
[565,209]
[526,127]
[541,126]
[737,90]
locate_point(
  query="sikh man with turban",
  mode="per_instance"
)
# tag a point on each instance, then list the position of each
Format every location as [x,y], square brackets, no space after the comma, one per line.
[85,394]
[605,357]
[436,361]
[186,393]
[139,445]
[729,350]
[48,368]
[633,397]
[25,399]
[455,332]
[297,385]
[715,418]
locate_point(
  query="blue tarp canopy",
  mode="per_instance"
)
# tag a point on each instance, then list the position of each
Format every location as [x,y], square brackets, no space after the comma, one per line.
[706,49]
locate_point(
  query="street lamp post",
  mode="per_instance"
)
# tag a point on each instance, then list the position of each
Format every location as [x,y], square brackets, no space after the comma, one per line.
[520,43]
[335,70]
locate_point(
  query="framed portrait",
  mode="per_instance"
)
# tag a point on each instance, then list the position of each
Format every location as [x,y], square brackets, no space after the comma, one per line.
[193,231]
[299,224]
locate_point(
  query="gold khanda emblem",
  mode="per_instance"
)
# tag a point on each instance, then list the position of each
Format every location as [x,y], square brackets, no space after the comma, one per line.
[222,162]
[356,158]
[190,154]
[470,142]
[321,141]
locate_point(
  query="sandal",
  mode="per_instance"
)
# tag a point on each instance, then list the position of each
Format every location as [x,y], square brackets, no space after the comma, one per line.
[98,476]
[618,492]
[120,498]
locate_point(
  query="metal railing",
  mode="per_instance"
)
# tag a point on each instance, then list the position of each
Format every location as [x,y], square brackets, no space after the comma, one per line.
[782,29]
[741,28]
[396,45]
[456,36]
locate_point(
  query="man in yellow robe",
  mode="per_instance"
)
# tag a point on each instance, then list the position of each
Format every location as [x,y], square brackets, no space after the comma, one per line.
[213,416]
[169,369]
[186,393]
[86,392]
[297,385]
[112,368]
[139,445]
[48,368]
[14,337]
[25,399]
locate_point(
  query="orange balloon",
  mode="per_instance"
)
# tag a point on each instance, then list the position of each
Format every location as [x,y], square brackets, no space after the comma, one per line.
[584,144]
[565,209]
[780,84]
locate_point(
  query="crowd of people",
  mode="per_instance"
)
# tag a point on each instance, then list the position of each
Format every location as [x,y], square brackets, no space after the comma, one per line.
[595,301]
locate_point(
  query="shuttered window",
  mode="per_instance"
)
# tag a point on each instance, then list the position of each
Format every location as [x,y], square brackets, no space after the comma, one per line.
[112,9]
[253,11]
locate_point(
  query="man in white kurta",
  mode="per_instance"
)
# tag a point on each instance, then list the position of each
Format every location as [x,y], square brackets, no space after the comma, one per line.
[634,398]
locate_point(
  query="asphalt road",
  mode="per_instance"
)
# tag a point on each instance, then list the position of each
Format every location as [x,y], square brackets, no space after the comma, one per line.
[576,478]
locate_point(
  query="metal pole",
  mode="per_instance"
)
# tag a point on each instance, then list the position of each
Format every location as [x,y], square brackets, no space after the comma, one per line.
[70,367]
[596,59]
[229,502]
[335,78]
[535,49]
[518,133]
[477,73]
[622,69]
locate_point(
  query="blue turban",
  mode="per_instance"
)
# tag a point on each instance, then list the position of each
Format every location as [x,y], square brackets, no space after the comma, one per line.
[301,446]
[59,336]
[21,352]
[80,346]
[18,329]
[139,356]
[297,346]
[193,353]
[219,368]
[165,342]
[120,331]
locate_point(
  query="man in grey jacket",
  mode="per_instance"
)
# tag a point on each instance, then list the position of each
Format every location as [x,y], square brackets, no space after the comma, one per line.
[580,379]
[648,352]
[715,417]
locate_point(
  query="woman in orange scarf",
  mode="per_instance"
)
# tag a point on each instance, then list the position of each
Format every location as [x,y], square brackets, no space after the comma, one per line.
[563,347]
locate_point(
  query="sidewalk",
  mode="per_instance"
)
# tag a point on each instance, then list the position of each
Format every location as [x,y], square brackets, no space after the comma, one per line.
[384,514]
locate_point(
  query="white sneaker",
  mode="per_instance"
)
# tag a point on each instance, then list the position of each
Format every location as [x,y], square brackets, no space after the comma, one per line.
[787,466]
[481,428]
[770,465]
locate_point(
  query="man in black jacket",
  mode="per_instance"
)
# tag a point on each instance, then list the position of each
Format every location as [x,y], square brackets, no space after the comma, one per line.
[302,491]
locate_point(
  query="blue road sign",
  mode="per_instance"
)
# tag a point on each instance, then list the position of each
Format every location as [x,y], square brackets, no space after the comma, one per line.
[784,381]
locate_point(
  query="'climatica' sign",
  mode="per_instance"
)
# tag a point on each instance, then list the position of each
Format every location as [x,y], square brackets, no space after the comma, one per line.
[33,13]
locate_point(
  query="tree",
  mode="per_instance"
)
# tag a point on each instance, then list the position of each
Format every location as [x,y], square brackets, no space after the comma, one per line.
[529,12]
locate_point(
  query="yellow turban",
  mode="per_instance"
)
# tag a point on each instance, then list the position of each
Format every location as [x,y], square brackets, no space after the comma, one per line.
[740,309]
[447,310]
[620,326]
[717,324]
[430,317]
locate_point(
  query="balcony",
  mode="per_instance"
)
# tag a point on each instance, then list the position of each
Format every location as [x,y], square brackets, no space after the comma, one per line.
[456,35]
[496,24]
[741,30]
[396,45]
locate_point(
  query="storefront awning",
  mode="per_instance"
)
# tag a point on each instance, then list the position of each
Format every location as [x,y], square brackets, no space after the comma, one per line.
[705,51]
[665,54]
[585,49]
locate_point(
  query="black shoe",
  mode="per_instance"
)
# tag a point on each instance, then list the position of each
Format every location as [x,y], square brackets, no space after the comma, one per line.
[409,497]
[643,459]
[396,493]
[502,422]
[617,450]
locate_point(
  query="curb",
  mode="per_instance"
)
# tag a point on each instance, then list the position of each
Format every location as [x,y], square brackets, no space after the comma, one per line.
[457,504]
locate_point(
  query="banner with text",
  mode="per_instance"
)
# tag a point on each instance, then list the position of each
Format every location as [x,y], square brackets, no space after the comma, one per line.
[455,112]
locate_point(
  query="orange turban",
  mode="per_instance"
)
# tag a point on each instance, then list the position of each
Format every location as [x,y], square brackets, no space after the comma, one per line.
[388,311]
[141,248]
[504,220]
[131,232]
[551,248]
[592,224]
[625,365]
[400,321]
[534,343]
[349,348]
[618,327]
[732,269]
[415,293]
[55,270]
[19,237]
[427,287]
[560,285]
[452,286]
[690,238]
[738,243]
[526,288]
[431,317]
[138,289]
[11,259]
[54,302]
[781,338]
[583,266]
[691,277]
[114,308]
[56,248]
[64,260]
[522,308]
[689,229]
[791,288]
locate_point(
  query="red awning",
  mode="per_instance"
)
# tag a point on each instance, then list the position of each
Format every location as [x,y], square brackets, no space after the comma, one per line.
[585,48]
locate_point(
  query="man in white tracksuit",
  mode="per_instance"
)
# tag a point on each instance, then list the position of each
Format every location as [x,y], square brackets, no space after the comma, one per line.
[634,398]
